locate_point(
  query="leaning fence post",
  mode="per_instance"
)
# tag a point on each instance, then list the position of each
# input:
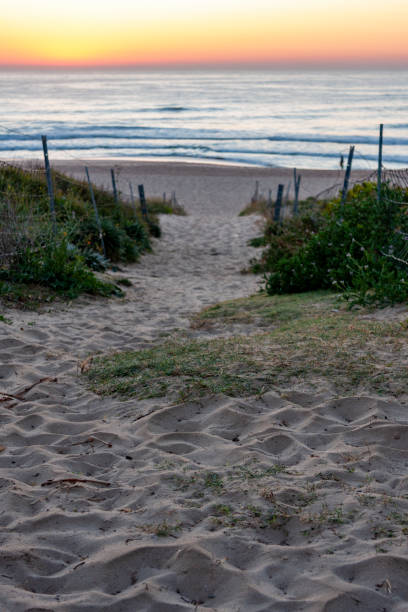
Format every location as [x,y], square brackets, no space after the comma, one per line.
[98,221]
[379,171]
[347,176]
[49,184]
[142,199]
[278,204]
[132,198]
[115,191]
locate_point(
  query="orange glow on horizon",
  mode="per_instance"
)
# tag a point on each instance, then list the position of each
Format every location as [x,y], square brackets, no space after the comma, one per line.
[223,32]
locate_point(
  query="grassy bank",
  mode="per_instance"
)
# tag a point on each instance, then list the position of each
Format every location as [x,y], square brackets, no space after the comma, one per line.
[40,260]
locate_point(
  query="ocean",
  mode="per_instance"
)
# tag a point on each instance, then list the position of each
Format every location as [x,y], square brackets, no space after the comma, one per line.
[304,119]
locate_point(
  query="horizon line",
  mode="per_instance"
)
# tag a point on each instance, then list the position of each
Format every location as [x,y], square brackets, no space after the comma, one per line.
[262,65]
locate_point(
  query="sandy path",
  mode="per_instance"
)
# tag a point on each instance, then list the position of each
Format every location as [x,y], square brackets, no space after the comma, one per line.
[197,262]
[152,524]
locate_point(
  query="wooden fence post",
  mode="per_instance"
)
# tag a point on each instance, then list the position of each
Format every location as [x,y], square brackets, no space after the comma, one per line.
[278,204]
[296,180]
[142,199]
[132,198]
[347,176]
[98,221]
[115,191]
[379,171]
[255,197]
[49,184]
[269,202]
[288,191]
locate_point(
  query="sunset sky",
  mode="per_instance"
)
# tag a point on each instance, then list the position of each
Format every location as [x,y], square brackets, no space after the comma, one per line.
[203,32]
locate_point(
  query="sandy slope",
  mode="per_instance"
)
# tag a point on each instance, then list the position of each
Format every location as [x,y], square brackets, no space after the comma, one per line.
[134,506]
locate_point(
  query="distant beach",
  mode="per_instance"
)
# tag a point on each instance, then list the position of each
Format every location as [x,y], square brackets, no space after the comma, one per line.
[269,118]
[212,186]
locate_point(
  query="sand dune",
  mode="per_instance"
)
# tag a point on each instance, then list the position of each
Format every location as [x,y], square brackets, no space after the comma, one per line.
[285,502]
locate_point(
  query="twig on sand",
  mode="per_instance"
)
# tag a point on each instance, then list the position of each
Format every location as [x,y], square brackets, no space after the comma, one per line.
[91,440]
[85,365]
[48,483]
[20,394]
[78,565]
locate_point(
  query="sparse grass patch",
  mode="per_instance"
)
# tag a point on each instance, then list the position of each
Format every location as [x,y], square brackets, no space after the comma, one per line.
[158,207]
[214,481]
[258,207]
[265,310]
[309,342]
[26,296]
[165,530]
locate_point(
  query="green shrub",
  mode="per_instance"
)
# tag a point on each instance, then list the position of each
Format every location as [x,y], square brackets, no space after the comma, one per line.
[154,228]
[284,239]
[57,265]
[349,251]
[138,233]
[129,251]
[95,260]
[64,262]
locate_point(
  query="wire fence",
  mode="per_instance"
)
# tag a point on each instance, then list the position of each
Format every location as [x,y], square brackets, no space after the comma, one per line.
[398,244]
[32,201]
[19,225]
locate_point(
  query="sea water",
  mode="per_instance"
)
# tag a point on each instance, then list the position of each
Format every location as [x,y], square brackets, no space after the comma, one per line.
[260,117]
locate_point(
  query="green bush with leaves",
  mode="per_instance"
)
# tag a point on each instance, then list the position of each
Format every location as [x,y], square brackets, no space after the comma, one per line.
[284,240]
[352,251]
[58,265]
[65,262]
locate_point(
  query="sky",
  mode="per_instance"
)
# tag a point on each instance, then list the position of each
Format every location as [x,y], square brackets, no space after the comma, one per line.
[113,33]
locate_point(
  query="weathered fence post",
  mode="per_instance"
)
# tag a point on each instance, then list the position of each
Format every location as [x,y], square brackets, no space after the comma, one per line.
[98,221]
[278,204]
[142,199]
[296,181]
[347,176]
[285,200]
[269,202]
[255,197]
[115,191]
[49,184]
[288,191]
[379,171]
[164,197]
[132,198]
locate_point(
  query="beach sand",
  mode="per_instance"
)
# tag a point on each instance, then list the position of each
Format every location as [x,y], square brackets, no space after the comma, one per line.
[209,189]
[149,506]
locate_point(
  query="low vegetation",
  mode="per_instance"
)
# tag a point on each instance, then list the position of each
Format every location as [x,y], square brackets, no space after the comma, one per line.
[40,259]
[359,248]
[305,339]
